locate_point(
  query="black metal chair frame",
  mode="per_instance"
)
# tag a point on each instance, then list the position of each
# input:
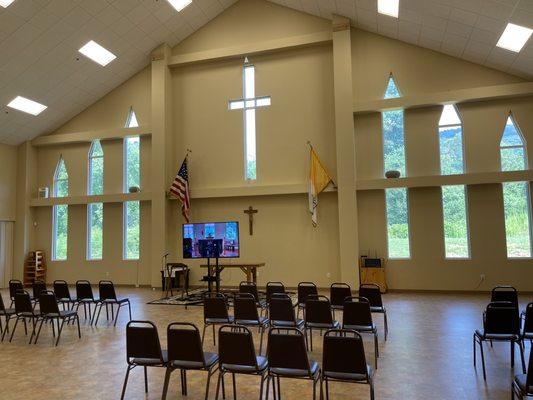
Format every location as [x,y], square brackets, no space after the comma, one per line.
[7,313]
[49,311]
[523,380]
[372,292]
[250,318]
[251,288]
[480,337]
[37,288]
[62,293]
[233,369]
[24,311]
[291,321]
[85,297]
[210,320]
[134,361]
[337,293]
[274,288]
[14,286]
[327,376]
[199,364]
[527,325]
[275,373]
[108,297]
[304,289]
[310,325]
[504,293]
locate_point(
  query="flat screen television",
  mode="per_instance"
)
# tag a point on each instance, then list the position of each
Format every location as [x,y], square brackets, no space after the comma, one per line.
[211,240]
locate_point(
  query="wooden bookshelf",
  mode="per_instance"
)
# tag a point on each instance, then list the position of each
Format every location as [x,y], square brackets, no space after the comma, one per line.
[35,267]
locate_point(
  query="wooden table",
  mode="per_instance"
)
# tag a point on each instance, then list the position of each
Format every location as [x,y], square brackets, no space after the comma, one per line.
[250,269]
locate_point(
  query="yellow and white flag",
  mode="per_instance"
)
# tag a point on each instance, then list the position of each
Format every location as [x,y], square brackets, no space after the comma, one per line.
[318,181]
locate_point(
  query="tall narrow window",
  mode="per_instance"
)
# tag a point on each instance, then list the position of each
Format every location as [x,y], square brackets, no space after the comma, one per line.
[132,163]
[451,141]
[132,177]
[95,231]
[516,195]
[131,120]
[95,183]
[398,223]
[393,133]
[60,214]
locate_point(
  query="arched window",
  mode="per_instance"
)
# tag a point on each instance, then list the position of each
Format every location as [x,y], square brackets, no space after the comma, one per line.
[451,141]
[61,179]
[95,182]
[512,147]
[60,214]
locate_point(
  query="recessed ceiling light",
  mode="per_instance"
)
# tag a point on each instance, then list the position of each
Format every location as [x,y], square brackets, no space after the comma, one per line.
[389,7]
[97,53]
[514,37]
[179,4]
[26,105]
[6,3]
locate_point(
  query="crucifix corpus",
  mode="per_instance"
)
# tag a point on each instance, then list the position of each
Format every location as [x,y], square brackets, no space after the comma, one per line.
[250,211]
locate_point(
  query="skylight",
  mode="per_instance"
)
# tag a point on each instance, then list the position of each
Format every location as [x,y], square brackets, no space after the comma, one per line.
[449,116]
[179,4]
[97,53]
[514,37]
[6,3]
[389,7]
[26,105]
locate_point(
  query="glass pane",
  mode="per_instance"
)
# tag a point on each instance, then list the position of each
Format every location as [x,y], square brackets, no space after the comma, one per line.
[449,116]
[132,230]
[455,222]
[516,203]
[250,145]
[96,149]
[95,231]
[511,136]
[61,187]
[96,178]
[250,103]
[397,223]
[236,105]
[263,102]
[392,91]
[132,120]
[513,159]
[249,82]
[60,234]
[61,170]
[133,163]
[451,150]
[393,141]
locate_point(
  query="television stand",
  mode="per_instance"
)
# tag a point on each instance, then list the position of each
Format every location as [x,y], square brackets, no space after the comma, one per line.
[213,277]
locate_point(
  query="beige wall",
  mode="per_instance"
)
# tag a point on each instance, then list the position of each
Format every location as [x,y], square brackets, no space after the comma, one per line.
[8,182]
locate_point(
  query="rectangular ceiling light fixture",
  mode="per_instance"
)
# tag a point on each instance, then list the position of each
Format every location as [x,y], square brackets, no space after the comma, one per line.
[6,3]
[389,7]
[97,53]
[179,4]
[26,105]
[514,37]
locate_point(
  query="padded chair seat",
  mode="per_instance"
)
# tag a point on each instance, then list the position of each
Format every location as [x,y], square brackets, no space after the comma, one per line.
[62,314]
[262,321]
[361,328]
[115,301]
[375,309]
[296,373]
[230,320]
[496,336]
[527,336]
[520,381]
[210,359]
[337,306]
[91,301]
[28,314]
[288,324]
[65,300]
[151,361]
[262,364]
[8,311]
[319,325]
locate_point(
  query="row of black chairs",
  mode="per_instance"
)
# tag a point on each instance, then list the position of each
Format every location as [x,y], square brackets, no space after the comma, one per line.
[286,357]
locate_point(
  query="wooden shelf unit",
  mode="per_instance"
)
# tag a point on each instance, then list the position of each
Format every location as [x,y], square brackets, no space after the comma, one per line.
[35,267]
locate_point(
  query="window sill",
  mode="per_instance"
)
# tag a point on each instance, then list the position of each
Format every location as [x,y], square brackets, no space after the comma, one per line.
[105,198]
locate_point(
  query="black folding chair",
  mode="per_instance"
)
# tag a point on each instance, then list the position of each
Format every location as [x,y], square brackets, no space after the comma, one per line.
[24,311]
[305,289]
[62,293]
[245,313]
[85,297]
[185,353]
[523,384]
[108,297]
[287,358]
[527,326]
[7,313]
[372,292]
[49,308]
[237,356]
[142,350]
[501,323]
[251,288]
[504,293]
[37,288]
[318,315]
[215,312]
[274,288]
[343,360]
[281,312]
[357,317]
[14,286]
[337,294]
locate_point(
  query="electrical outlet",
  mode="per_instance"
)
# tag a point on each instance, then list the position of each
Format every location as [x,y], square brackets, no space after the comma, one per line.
[482,277]
[107,273]
[328,275]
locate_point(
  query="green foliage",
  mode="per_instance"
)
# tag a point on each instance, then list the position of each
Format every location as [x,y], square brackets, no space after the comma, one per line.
[96,169]
[133,162]
[393,141]
[451,150]
[96,231]
[397,223]
[60,232]
[392,91]
[455,221]
[61,180]
[251,169]
[517,222]
[133,227]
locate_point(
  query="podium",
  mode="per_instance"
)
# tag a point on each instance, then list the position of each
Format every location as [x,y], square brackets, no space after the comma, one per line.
[372,270]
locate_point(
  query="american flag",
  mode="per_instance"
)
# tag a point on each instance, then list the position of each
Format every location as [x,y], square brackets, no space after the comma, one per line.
[180,189]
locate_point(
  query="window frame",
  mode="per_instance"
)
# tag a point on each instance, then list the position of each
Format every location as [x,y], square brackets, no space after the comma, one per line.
[92,157]
[383,141]
[60,163]
[408,225]
[523,146]
[89,233]
[125,165]
[54,233]
[125,231]
[463,150]
[467,220]
[530,221]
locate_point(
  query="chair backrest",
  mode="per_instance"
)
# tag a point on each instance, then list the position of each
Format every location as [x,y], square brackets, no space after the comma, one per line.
[504,293]
[14,286]
[236,346]
[274,287]
[286,349]
[215,306]
[106,290]
[38,287]
[371,292]
[142,341]
[84,290]
[528,322]
[245,307]
[338,293]
[318,310]
[280,308]
[356,311]
[48,303]
[184,343]
[344,352]
[304,290]
[502,317]
[23,302]
[249,287]
[61,289]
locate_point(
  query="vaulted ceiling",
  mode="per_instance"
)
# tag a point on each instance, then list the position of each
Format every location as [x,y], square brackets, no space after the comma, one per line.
[39,42]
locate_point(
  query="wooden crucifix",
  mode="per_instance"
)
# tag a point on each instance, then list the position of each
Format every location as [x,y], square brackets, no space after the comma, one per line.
[250,211]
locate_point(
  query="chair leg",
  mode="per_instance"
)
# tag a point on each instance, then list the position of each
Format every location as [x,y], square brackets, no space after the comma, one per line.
[38,331]
[474,348]
[59,330]
[234,386]
[25,326]
[116,319]
[327,389]
[483,360]
[261,387]
[521,346]
[279,388]
[311,338]
[209,373]
[78,322]
[145,380]
[125,382]
[33,330]
[371,390]
[218,384]
[261,339]
[386,324]
[165,385]
[98,316]
[203,334]
[214,336]
[376,350]
[512,354]
[6,329]
[13,331]
[129,308]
